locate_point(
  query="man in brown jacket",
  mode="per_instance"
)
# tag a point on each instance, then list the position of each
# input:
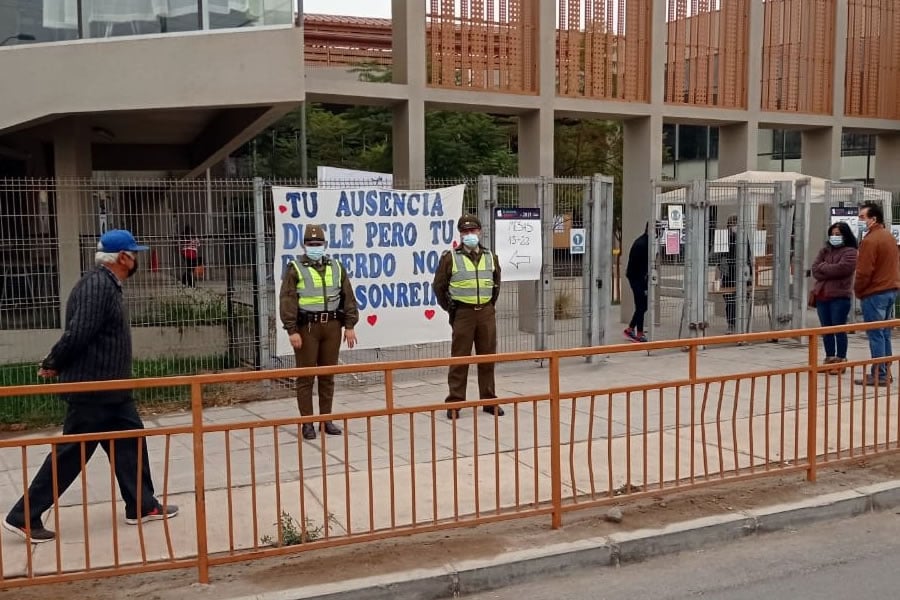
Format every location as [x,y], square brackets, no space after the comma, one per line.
[876,285]
[467,285]
[316,303]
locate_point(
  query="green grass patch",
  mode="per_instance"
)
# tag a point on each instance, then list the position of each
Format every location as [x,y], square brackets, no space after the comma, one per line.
[44,409]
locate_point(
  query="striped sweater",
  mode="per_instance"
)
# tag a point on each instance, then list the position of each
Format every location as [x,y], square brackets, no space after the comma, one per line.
[96,343]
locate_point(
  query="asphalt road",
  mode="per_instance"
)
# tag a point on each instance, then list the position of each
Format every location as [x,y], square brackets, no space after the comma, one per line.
[856,558]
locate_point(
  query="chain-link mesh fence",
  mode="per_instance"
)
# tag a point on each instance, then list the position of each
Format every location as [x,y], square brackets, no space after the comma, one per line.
[204,298]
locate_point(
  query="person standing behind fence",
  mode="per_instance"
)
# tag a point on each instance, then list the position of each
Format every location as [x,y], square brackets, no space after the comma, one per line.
[636,273]
[95,346]
[190,255]
[833,271]
[316,303]
[877,282]
[467,285]
[729,271]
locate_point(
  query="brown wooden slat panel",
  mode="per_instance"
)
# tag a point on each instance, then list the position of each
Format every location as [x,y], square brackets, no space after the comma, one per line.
[706,62]
[873,59]
[603,49]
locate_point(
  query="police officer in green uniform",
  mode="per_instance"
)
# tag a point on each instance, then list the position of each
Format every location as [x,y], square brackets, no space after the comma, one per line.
[467,285]
[316,304]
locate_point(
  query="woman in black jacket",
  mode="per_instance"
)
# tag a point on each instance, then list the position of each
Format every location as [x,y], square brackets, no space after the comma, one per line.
[636,273]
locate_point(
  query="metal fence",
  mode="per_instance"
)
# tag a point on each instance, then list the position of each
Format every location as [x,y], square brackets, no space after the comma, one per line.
[567,304]
[255,489]
[220,312]
[727,257]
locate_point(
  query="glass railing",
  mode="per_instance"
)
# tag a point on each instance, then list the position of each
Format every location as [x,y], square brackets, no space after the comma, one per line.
[33,21]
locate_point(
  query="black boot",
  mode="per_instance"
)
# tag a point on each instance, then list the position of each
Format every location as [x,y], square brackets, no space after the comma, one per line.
[330,428]
[309,432]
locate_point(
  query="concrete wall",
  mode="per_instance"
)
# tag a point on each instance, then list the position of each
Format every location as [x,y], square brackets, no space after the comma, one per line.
[32,345]
[190,70]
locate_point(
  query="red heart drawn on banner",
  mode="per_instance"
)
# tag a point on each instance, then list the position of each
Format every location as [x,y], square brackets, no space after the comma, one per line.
[455,244]
[429,314]
[282,209]
[372,319]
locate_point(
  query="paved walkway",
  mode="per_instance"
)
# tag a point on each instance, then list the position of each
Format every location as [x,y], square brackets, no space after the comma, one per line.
[371,479]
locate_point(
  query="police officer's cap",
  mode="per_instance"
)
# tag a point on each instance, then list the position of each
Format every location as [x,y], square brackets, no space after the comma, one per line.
[468,222]
[314,233]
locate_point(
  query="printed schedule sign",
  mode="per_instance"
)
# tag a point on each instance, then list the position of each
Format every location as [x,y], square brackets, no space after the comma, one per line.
[388,241]
[518,243]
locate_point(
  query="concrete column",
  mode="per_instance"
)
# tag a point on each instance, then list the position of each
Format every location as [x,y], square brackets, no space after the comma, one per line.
[754,58]
[887,157]
[536,135]
[408,139]
[642,162]
[820,152]
[840,58]
[73,170]
[408,136]
[658,53]
[536,132]
[738,148]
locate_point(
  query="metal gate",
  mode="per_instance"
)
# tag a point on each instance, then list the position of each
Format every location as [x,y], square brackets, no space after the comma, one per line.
[841,203]
[727,257]
[564,302]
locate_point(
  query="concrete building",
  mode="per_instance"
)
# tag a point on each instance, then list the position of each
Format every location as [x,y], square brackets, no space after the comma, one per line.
[174,93]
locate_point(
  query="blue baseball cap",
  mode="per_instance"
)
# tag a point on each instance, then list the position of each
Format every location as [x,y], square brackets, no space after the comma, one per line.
[119,240]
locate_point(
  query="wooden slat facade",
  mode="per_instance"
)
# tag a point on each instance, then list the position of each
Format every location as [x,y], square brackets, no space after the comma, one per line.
[601,56]
[706,52]
[603,50]
[483,44]
[873,59]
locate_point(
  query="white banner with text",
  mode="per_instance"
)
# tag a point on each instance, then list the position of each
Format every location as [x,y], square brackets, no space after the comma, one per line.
[388,241]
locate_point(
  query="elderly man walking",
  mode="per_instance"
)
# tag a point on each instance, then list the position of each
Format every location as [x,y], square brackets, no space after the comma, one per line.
[95,346]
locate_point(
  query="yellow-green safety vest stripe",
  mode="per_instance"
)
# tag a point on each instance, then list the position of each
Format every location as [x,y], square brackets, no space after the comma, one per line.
[316,293]
[471,283]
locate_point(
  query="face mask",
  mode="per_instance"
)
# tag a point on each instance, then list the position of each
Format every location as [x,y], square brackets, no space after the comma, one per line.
[836,240]
[133,268]
[315,252]
[470,240]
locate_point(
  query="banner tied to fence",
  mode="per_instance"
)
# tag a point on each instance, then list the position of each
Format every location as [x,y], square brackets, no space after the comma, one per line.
[389,242]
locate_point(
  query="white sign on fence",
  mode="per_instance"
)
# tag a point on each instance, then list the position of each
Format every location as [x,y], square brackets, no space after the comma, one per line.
[389,242]
[518,243]
[576,241]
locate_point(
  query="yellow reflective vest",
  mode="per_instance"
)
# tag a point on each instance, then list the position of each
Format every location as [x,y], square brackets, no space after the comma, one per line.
[318,292]
[471,283]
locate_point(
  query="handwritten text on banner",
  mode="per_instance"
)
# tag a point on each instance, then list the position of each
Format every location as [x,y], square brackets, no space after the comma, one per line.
[389,242]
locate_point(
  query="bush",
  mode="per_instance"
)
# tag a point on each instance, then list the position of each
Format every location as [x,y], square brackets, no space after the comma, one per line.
[47,409]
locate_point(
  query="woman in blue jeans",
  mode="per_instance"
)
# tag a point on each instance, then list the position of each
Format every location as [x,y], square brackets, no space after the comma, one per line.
[833,272]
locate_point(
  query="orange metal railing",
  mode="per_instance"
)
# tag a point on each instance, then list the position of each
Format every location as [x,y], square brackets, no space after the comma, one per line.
[254,489]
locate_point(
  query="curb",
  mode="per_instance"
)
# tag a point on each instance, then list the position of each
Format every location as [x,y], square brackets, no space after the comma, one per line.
[520,566]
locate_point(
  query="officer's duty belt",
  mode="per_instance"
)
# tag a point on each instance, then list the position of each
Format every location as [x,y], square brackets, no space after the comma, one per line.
[472,306]
[318,317]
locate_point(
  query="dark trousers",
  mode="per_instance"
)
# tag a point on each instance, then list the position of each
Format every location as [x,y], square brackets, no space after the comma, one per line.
[639,291]
[730,308]
[91,418]
[478,327]
[187,276]
[834,312]
[321,347]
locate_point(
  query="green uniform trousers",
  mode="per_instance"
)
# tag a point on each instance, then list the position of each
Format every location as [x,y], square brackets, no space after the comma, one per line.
[478,327]
[320,348]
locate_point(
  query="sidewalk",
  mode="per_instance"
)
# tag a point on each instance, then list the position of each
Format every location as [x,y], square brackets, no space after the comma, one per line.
[499,464]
